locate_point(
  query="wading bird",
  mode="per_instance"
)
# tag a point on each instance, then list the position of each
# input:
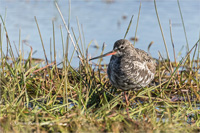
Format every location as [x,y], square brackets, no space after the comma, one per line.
[129,68]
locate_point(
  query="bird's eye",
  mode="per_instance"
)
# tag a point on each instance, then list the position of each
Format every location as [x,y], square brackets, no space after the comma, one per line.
[121,47]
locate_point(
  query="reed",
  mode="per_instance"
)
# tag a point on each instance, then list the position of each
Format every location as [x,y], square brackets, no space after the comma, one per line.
[44,97]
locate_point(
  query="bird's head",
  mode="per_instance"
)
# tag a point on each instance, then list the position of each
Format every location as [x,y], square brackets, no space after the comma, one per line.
[120,47]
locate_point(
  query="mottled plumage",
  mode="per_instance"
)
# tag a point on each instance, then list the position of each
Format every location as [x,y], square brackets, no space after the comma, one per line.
[129,67]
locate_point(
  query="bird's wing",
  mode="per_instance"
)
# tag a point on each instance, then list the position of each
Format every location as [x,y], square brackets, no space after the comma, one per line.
[145,57]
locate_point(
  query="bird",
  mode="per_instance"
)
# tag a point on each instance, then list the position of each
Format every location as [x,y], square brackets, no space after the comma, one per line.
[129,68]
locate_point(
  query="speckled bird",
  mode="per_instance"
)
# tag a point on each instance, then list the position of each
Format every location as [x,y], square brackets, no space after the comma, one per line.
[129,67]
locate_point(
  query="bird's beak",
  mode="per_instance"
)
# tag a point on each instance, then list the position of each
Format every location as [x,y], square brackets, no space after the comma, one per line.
[113,52]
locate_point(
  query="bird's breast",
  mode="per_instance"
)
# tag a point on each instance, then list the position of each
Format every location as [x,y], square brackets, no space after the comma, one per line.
[128,73]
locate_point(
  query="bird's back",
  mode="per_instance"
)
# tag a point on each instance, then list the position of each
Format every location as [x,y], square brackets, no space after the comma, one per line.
[133,70]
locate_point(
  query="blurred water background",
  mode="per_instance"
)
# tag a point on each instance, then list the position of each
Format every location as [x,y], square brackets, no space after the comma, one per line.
[102,21]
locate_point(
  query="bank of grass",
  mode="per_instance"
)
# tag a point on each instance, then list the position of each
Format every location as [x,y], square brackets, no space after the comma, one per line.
[38,97]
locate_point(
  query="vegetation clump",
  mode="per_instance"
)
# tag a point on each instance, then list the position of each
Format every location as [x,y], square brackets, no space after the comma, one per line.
[37,95]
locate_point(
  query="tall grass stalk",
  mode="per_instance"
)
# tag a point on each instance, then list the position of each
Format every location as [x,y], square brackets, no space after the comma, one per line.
[137,24]
[68,31]
[2,33]
[8,41]
[81,42]
[187,44]
[41,41]
[165,44]
[128,27]
[66,99]
[1,47]
[50,45]
[54,42]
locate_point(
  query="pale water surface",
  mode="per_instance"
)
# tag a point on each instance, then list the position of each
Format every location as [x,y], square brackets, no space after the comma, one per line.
[101,22]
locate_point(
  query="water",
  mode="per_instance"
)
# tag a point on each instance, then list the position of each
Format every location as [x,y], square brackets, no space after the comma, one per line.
[102,22]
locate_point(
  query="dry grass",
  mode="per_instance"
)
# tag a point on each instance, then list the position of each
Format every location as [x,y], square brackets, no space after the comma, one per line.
[36,97]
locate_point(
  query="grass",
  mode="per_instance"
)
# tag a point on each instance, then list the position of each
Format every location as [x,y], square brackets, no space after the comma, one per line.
[35,98]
